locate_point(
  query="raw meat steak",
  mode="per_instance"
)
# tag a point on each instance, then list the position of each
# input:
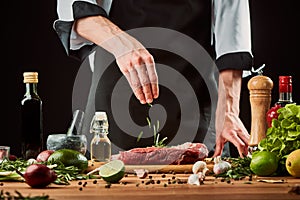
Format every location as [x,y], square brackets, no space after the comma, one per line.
[187,153]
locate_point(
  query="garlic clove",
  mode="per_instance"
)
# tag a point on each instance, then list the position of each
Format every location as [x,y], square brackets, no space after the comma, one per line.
[194,179]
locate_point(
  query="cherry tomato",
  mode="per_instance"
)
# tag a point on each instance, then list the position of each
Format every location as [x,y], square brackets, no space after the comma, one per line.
[272,114]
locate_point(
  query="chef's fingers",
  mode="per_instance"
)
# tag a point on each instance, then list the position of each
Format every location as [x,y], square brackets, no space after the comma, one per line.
[144,81]
[136,85]
[219,148]
[238,143]
[150,65]
[245,137]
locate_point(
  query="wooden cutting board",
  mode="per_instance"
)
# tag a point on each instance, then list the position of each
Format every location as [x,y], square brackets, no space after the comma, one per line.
[154,168]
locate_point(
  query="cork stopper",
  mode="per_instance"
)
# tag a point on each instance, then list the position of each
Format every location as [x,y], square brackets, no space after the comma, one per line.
[30,77]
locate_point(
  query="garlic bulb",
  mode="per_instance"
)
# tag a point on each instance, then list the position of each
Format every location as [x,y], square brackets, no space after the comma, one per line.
[220,165]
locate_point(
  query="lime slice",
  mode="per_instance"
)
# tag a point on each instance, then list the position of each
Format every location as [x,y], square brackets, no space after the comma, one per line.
[112,171]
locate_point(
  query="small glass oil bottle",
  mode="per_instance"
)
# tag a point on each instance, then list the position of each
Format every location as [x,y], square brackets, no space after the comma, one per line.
[100,144]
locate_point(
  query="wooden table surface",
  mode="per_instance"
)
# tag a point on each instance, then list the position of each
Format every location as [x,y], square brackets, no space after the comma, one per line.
[132,187]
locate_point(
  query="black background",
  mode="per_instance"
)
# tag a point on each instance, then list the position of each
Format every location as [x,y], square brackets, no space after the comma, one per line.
[30,43]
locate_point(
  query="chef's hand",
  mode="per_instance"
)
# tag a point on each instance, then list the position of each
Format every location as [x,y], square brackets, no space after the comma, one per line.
[133,59]
[139,69]
[233,131]
[229,127]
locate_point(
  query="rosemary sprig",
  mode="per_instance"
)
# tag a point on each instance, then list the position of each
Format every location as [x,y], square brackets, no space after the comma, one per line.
[157,142]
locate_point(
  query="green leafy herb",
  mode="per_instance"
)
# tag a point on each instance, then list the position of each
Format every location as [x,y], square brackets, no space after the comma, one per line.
[284,135]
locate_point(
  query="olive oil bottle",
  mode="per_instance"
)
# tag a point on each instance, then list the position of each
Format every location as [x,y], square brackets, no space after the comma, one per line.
[32,118]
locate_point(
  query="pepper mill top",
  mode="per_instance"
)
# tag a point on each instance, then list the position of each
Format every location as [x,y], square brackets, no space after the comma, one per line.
[260,82]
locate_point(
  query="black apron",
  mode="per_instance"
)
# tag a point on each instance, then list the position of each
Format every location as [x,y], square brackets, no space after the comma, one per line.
[183,112]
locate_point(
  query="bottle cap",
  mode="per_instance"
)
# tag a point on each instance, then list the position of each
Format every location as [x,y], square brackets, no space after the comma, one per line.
[285,84]
[30,77]
[100,115]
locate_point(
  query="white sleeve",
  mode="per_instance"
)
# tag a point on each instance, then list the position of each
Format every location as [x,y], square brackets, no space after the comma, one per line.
[231,26]
[65,13]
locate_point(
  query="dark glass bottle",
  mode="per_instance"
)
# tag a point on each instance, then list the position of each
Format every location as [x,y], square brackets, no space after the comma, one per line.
[32,118]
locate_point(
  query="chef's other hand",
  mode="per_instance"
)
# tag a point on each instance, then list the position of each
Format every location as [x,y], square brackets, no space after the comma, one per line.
[229,127]
[133,59]
[234,132]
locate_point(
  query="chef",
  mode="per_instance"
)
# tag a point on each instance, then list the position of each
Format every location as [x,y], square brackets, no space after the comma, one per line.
[163,68]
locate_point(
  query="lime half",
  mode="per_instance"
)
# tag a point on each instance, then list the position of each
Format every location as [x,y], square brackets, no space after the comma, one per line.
[112,171]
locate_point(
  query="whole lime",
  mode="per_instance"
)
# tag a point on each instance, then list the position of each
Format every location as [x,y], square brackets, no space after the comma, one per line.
[113,171]
[292,163]
[264,163]
[69,157]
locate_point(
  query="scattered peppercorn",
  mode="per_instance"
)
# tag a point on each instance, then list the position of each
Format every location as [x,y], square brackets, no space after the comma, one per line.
[108,185]
[95,181]
[163,176]
[165,185]
[150,177]
[79,183]
[80,189]
[137,185]
[1,184]
[85,183]
[173,177]
[158,182]
[148,182]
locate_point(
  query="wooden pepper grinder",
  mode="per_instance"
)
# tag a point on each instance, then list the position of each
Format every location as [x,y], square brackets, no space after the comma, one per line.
[260,88]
